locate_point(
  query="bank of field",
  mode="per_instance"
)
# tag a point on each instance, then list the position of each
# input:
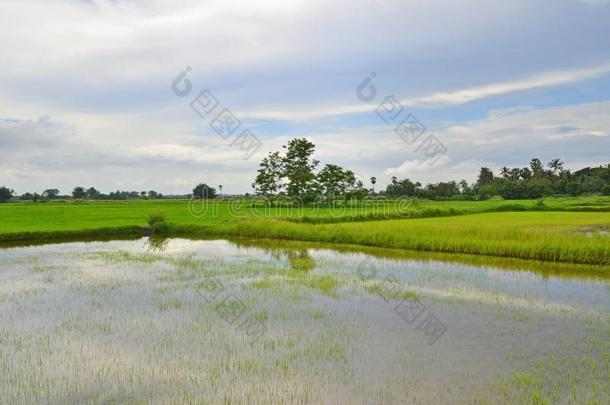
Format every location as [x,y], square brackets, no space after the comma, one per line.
[562,230]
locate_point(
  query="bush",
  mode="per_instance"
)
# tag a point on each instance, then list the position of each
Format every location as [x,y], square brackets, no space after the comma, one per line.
[606,189]
[157,220]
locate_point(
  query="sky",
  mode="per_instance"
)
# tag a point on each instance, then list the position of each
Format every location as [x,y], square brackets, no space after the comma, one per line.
[108,93]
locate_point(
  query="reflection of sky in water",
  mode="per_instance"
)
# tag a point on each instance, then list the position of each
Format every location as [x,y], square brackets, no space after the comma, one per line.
[425,277]
[524,318]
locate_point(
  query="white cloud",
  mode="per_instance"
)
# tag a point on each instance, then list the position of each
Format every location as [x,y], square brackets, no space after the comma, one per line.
[101,69]
[444,99]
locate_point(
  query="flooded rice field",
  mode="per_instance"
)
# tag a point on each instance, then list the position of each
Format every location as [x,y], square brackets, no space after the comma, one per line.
[235,322]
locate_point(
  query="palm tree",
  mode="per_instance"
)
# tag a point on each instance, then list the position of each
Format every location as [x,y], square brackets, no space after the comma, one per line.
[220,188]
[556,164]
[505,172]
[373,182]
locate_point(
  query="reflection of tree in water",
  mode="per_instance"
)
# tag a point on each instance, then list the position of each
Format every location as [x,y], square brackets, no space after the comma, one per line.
[298,258]
[156,244]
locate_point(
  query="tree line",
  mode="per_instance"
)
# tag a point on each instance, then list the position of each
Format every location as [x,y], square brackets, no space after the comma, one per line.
[295,175]
[79,193]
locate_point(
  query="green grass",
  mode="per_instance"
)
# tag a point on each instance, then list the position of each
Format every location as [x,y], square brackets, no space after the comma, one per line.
[572,230]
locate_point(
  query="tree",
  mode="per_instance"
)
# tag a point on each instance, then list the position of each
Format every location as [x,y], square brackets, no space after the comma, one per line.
[573,188]
[153,194]
[525,173]
[79,193]
[268,180]
[465,189]
[299,169]
[556,164]
[92,193]
[204,192]
[50,193]
[536,167]
[220,188]
[505,172]
[402,188]
[143,194]
[486,176]
[373,182]
[333,182]
[5,194]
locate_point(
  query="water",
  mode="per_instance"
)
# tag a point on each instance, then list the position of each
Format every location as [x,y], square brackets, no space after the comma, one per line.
[218,321]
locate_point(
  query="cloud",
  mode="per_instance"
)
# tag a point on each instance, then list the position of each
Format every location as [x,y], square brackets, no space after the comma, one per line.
[444,99]
[98,72]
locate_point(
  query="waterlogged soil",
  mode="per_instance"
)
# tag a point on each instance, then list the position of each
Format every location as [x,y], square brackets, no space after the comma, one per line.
[234,322]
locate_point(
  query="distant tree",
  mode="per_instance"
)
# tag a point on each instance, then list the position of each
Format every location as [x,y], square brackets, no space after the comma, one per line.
[574,188]
[334,181]
[153,194]
[220,188]
[268,180]
[79,193]
[204,192]
[464,188]
[556,164]
[514,174]
[402,188]
[143,194]
[505,172]
[5,194]
[299,169]
[486,176]
[373,182]
[606,189]
[536,166]
[50,193]
[525,173]
[92,193]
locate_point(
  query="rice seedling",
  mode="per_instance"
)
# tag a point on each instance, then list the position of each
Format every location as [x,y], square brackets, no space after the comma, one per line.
[121,324]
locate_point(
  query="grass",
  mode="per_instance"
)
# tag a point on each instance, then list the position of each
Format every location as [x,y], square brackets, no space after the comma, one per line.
[571,230]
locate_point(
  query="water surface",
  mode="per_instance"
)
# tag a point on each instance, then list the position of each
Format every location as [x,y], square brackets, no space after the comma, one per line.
[218,321]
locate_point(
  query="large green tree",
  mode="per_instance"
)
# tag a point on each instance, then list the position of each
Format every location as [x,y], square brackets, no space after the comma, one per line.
[268,182]
[299,169]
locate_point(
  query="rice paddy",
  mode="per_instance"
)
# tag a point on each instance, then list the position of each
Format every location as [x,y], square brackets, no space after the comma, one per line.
[566,230]
[263,322]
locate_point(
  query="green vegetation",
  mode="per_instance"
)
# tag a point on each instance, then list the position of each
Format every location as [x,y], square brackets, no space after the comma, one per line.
[565,229]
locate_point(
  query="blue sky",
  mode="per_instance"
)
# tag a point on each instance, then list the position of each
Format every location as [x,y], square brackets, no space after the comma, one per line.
[86,99]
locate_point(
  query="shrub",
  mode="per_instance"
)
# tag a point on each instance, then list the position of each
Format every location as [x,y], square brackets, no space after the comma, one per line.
[157,221]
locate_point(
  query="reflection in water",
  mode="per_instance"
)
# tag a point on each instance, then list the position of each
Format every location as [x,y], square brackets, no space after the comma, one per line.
[298,257]
[138,314]
[156,244]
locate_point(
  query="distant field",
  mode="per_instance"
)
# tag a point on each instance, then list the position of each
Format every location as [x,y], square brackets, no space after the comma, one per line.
[569,230]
